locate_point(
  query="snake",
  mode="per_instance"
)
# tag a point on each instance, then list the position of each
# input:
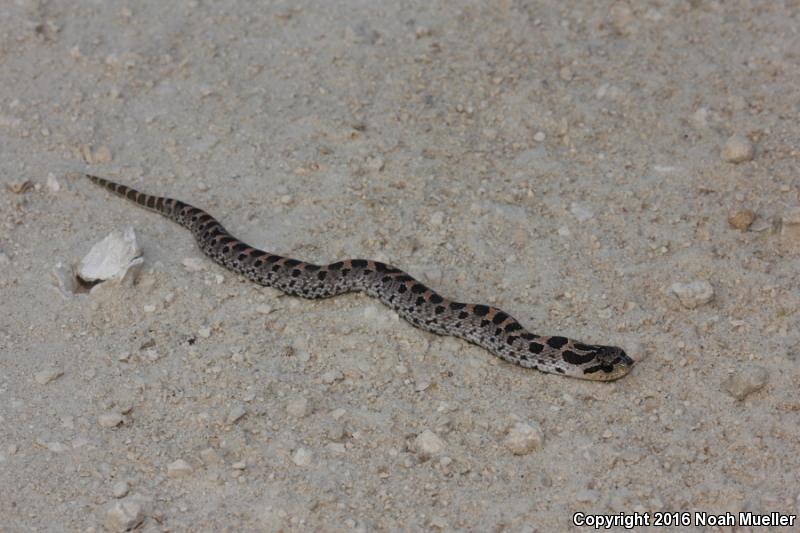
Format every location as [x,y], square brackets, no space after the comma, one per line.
[486,326]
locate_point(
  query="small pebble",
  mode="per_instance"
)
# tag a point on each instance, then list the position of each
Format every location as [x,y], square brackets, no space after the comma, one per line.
[582,213]
[179,468]
[264,309]
[738,149]
[120,489]
[101,155]
[193,264]
[297,407]
[302,457]
[236,414]
[110,419]
[149,308]
[790,225]
[239,465]
[52,183]
[523,439]
[745,381]
[375,164]
[332,376]
[47,375]
[741,219]
[210,457]
[693,294]
[427,444]
[539,136]
[124,515]
[56,447]
[204,332]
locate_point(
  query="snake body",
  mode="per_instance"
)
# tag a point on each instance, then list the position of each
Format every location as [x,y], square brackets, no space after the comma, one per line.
[486,326]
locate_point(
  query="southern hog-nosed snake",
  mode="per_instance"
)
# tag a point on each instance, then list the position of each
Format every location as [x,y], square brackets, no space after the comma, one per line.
[483,325]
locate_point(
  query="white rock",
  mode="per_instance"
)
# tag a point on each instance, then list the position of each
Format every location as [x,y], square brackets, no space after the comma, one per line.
[693,294]
[699,119]
[332,376]
[110,419]
[523,439]
[179,468]
[427,444]
[56,447]
[745,381]
[47,375]
[116,257]
[101,155]
[236,414]
[582,213]
[193,264]
[738,149]
[375,163]
[204,332]
[539,136]
[790,225]
[211,457]
[263,309]
[120,489]
[302,457]
[124,515]
[52,183]
[297,407]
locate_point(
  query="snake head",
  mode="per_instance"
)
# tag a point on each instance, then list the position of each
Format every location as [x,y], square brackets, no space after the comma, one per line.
[598,363]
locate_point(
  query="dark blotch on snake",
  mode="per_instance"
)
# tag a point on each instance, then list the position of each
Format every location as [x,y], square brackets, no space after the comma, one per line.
[557,342]
[418,288]
[481,310]
[359,263]
[575,359]
[499,317]
[535,347]
[456,306]
[439,310]
[436,299]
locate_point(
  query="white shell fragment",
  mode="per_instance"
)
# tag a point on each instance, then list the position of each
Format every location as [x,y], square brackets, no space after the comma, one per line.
[117,257]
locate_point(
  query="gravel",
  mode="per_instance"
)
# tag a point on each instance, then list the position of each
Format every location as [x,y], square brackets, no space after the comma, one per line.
[745,381]
[738,149]
[524,438]
[693,294]
[427,444]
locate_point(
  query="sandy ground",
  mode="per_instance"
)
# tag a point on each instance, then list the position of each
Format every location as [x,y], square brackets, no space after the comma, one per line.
[567,165]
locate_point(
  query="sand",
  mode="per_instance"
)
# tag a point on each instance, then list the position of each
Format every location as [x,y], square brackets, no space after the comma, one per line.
[576,167]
